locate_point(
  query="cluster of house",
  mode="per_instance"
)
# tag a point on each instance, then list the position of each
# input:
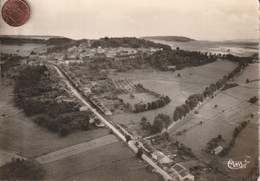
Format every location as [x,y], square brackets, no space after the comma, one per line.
[81,53]
[177,171]
[86,91]
[100,106]
[32,62]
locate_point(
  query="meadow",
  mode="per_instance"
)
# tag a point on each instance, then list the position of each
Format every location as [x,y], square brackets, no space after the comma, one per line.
[192,80]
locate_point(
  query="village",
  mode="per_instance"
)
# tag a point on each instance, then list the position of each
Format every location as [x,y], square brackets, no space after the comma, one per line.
[128,100]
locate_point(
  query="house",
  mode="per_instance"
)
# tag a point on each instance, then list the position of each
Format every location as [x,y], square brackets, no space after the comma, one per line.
[23,62]
[217,150]
[181,172]
[98,123]
[100,50]
[43,57]
[71,56]
[61,57]
[34,56]
[72,49]
[73,61]
[64,99]
[83,108]
[84,45]
[86,91]
[171,67]
[144,146]
[161,158]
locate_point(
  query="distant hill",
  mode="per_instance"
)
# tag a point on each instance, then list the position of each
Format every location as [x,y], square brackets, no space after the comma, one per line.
[169,38]
[50,40]
[41,37]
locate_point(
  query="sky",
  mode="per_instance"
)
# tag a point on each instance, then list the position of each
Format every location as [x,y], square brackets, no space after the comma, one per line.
[198,19]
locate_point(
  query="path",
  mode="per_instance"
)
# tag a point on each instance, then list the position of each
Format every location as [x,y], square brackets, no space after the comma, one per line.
[76,149]
[131,144]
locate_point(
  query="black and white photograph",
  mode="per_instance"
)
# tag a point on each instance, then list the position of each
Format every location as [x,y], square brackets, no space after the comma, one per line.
[129,90]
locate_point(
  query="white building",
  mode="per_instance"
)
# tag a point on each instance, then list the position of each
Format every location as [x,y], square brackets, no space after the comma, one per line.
[217,150]
[181,172]
[161,158]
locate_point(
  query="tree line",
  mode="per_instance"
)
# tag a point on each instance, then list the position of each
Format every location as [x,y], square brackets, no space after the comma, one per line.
[141,107]
[195,99]
[131,42]
[182,58]
[236,132]
[179,58]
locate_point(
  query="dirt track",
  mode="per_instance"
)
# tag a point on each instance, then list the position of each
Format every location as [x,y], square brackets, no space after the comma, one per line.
[76,149]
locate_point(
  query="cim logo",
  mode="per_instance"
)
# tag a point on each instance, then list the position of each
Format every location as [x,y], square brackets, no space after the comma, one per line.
[235,164]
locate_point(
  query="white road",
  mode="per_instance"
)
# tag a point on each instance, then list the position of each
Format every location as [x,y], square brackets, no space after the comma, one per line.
[131,144]
[109,125]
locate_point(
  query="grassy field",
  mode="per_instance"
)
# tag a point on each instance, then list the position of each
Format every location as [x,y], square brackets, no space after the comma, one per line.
[138,97]
[110,162]
[233,108]
[192,80]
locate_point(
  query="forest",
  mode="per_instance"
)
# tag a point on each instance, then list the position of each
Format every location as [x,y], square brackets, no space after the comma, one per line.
[127,42]
[35,95]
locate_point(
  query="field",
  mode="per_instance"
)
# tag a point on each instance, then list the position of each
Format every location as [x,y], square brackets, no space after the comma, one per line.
[110,162]
[20,136]
[138,97]
[232,109]
[192,80]
[22,50]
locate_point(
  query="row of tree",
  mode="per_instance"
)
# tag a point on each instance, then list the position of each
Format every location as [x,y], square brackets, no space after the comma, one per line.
[131,42]
[141,107]
[193,100]
[190,104]
[236,132]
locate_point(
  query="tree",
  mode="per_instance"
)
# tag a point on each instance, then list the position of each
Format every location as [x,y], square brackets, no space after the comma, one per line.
[53,126]
[220,137]
[155,105]
[138,107]
[166,136]
[253,99]
[139,153]
[158,126]
[161,121]
[64,132]
[20,169]
[143,120]
[128,138]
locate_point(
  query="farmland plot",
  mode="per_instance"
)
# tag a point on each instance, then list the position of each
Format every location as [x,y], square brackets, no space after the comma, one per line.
[178,88]
[221,115]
